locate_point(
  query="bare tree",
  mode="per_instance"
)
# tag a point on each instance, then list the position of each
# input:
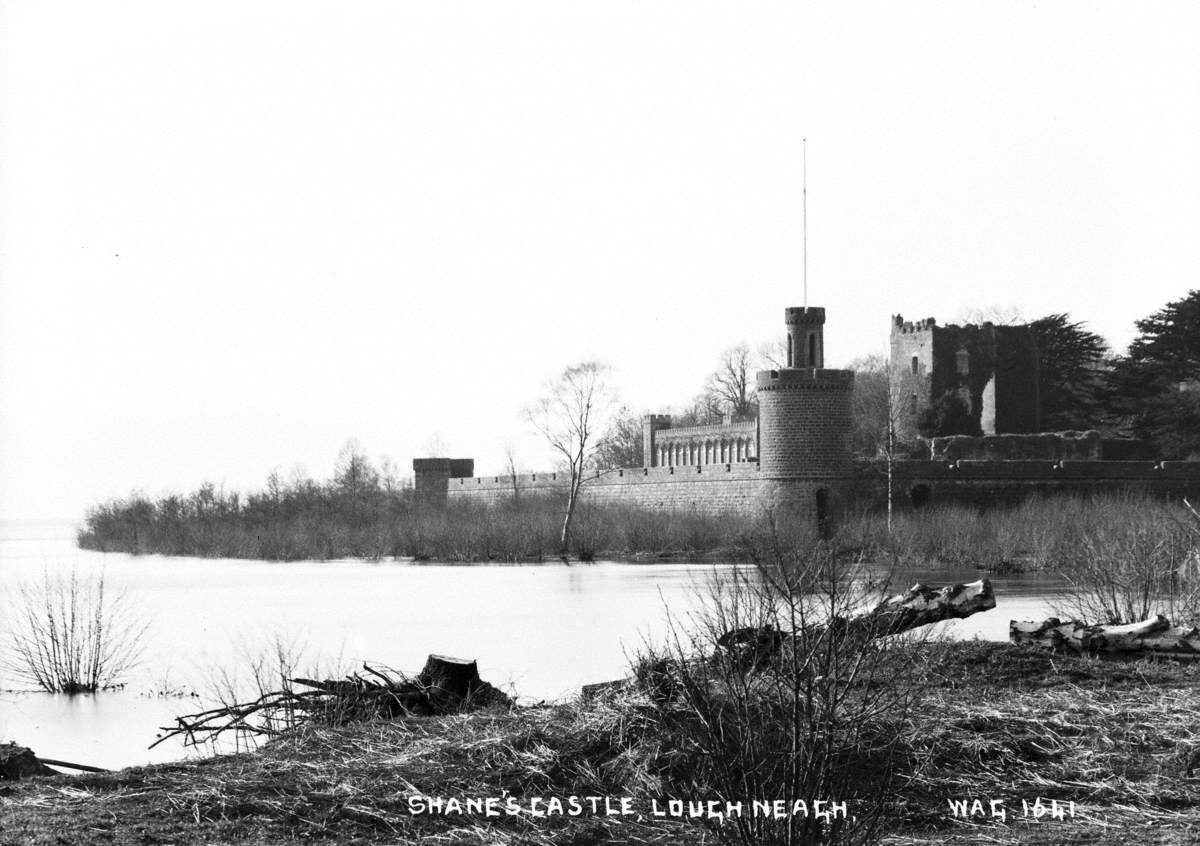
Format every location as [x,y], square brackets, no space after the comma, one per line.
[703,409]
[510,464]
[731,384]
[621,443]
[875,409]
[870,405]
[773,353]
[998,315]
[572,410]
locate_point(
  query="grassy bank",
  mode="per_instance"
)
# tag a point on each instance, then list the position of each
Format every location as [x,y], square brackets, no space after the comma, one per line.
[996,722]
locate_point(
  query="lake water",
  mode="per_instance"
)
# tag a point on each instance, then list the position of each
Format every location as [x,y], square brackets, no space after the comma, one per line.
[541,630]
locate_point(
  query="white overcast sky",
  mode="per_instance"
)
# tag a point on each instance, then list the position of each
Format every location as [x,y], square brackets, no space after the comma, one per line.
[234,235]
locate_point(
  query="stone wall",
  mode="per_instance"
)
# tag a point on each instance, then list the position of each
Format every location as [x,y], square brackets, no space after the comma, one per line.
[920,483]
[1052,446]
[712,489]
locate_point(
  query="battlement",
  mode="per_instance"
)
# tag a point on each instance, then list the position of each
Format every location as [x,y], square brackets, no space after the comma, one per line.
[533,482]
[804,377]
[804,316]
[685,433]
[900,325]
[449,466]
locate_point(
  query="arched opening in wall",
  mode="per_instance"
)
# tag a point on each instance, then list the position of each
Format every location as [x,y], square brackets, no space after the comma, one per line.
[812,350]
[915,365]
[920,495]
[824,523]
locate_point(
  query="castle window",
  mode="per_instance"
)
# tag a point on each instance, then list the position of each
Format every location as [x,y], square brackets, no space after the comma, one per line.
[812,350]
[824,524]
[915,364]
[913,403]
[964,362]
[791,361]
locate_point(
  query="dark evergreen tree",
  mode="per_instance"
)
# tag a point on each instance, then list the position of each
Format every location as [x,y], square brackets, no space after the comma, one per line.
[1072,364]
[948,415]
[1156,387]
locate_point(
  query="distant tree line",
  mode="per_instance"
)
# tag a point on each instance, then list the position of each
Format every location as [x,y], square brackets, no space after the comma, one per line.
[350,515]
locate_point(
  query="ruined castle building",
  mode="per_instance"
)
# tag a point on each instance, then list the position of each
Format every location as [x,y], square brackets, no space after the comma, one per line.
[963,380]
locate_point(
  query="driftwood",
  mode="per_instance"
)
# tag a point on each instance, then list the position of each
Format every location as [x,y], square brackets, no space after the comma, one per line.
[1155,636]
[920,605]
[445,686]
[18,762]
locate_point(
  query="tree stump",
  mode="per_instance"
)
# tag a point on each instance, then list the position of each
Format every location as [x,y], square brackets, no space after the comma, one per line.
[453,684]
[18,762]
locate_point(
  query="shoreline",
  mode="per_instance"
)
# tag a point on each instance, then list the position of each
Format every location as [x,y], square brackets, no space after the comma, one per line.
[999,723]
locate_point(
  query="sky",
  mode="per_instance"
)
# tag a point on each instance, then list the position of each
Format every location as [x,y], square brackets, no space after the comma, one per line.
[235,235]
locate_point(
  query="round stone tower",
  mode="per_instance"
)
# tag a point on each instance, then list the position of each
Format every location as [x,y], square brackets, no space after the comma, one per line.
[804,428]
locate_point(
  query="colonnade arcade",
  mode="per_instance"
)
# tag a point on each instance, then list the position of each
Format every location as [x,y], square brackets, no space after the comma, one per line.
[704,451]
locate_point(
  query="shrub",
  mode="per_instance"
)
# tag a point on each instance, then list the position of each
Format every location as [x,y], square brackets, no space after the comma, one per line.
[70,634]
[1134,559]
[809,711]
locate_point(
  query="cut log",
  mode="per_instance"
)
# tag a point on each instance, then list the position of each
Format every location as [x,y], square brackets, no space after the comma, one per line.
[452,684]
[18,762]
[1153,636]
[454,676]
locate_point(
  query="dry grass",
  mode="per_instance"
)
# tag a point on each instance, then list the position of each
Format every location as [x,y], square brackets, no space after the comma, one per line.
[999,722]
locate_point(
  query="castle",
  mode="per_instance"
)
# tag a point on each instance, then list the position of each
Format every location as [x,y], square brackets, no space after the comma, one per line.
[966,380]
[795,460]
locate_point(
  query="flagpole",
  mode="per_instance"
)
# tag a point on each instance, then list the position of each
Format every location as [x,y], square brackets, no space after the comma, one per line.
[804,156]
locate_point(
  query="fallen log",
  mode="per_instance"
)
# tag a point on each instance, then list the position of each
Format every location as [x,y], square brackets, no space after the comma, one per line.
[755,646]
[1153,636]
[83,768]
[920,605]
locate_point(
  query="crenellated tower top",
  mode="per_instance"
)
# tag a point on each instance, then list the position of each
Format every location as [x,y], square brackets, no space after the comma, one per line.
[806,336]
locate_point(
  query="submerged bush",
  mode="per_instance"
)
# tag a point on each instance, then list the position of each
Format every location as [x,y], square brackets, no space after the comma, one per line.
[71,635]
